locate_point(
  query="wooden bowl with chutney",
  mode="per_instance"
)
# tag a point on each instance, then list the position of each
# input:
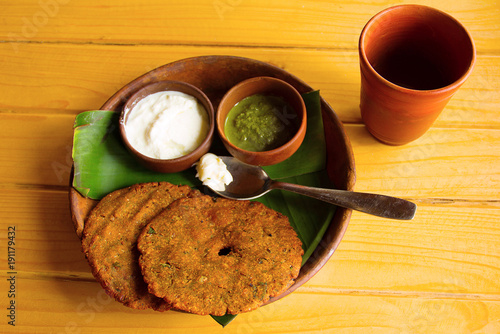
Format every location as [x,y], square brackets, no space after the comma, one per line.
[262,121]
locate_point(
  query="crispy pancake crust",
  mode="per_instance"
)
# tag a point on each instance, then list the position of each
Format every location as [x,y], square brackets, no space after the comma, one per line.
[219,256]
[110,237]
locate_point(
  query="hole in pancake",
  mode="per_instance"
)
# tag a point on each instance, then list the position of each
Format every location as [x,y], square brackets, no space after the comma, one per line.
[225,251]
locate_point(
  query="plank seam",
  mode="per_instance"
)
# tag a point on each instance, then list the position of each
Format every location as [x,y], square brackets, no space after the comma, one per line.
[399,293]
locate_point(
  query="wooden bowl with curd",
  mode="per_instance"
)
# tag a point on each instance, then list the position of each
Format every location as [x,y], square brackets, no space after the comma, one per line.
[168,125]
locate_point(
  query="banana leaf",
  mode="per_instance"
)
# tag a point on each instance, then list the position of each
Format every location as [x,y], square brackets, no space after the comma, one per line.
[102,164]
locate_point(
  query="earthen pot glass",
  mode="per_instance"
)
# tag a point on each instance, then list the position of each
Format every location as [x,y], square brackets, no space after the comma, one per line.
[413,59]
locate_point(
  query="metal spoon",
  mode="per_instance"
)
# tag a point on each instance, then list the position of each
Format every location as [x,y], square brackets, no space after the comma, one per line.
[250,182]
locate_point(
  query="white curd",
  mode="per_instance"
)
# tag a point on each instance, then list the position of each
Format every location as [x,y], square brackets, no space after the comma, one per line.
[167,125]
[212,171]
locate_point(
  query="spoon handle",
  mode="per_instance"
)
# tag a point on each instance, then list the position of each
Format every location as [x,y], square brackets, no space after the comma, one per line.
[374,204]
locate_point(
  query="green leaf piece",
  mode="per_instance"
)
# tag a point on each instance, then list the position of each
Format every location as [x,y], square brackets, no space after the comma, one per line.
[102,164]
[224,320]
[311,155]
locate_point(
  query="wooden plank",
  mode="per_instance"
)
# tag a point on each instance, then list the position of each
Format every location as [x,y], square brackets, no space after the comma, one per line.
[72,78]
[443,163]
[46,241]
[439,273]
[36,150]
[402,257]
[447,249]
[56,306]
[222,22]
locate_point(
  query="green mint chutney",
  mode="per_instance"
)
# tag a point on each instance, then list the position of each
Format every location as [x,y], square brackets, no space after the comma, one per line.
[260,123]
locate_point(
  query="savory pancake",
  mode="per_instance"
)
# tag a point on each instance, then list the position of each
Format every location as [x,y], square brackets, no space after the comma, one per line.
[110,237]
[218,256]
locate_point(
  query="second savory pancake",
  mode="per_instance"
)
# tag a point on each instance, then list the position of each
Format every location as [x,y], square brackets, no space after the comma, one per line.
[217,256]
[110,237]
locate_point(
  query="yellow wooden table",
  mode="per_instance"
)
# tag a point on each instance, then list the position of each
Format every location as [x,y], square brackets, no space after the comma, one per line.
[439,273]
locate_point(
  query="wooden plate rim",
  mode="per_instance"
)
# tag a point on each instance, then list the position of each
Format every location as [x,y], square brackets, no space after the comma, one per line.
[341,171]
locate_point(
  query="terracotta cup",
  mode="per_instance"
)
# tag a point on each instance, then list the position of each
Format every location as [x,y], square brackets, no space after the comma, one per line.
[413,59]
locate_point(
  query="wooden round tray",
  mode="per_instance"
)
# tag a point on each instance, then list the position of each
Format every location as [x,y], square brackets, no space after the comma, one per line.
[215,75]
